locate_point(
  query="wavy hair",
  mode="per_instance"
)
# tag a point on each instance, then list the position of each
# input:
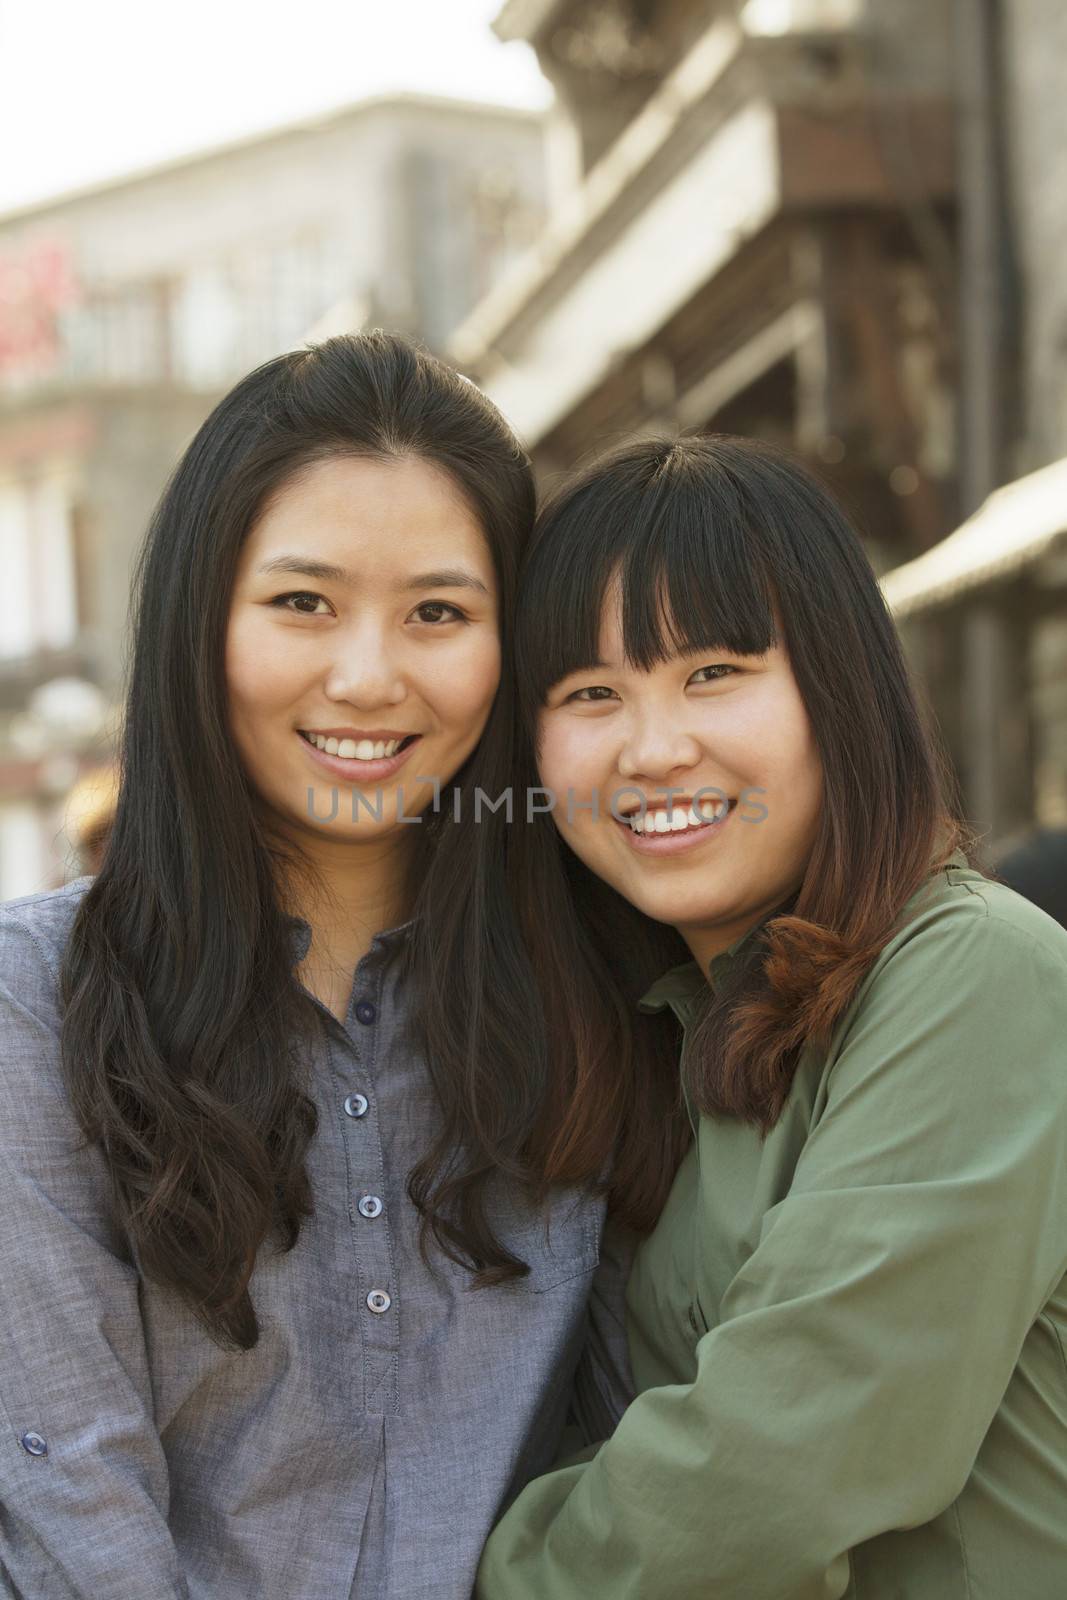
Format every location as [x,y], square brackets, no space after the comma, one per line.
[185,1035]
[714,541]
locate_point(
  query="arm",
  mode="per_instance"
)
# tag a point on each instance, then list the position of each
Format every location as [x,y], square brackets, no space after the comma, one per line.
[865,1345]
[73,1369]
[603,1382]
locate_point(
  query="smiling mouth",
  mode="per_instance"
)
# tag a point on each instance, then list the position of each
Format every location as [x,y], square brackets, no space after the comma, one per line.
[358,749]
[683,818]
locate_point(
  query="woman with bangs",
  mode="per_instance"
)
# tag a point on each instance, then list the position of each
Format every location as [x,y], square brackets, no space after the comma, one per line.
[848,1313]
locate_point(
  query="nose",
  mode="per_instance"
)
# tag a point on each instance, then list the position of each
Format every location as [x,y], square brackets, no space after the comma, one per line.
[366,672]
[656,748]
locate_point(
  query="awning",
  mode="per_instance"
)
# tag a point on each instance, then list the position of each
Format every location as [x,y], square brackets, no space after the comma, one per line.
[523,19]
[1016,526]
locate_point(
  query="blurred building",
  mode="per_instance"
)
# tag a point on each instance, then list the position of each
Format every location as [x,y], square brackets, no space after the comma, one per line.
[128,309]
[986,612]
[840,225]
[751,231]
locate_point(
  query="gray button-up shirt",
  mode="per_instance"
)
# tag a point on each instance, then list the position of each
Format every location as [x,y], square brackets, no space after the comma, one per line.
[365,1445]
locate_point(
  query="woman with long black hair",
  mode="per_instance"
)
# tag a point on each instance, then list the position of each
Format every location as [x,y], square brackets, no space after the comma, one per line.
[294,1246]
[848,1324]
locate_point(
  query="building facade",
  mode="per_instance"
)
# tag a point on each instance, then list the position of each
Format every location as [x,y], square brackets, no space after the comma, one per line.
[986,613]
[751,230]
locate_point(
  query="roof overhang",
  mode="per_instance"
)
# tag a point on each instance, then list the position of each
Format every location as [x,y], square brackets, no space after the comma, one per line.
[1012,530]
[708,163]
[524,19]
[692,228]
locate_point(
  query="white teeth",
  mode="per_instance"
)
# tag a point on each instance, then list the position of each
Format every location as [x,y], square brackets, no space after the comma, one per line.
[677,820]
[356,750]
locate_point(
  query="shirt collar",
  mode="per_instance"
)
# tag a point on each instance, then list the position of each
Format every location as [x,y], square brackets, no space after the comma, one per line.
[300,937]
[683,987]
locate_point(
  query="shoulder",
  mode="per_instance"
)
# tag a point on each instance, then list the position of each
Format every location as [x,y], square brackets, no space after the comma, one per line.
[973,981]
[33,935]
[971,927]
[49,1175]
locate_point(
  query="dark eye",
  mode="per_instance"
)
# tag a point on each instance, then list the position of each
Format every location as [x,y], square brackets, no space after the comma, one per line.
[592,693]
[281,601]
[435,608]
[720,669]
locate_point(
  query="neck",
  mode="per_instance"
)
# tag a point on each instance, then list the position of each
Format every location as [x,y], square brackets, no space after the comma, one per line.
[706,941]
[354,891]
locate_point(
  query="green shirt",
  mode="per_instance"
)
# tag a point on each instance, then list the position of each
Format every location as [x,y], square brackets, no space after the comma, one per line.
[849,1337]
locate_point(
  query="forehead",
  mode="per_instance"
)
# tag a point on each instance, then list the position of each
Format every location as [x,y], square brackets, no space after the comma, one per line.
[393,511]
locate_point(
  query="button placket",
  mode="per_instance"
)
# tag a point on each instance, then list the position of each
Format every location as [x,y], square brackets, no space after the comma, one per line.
[371,1242]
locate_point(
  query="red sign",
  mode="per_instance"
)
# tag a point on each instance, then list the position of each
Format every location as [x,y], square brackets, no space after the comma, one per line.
[37,283]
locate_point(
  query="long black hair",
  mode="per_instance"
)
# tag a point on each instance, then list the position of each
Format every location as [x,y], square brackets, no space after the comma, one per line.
[720,543]
[185,1033]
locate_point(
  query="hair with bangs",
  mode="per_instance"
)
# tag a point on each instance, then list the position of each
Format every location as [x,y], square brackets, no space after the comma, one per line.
[648,530]
[718,543]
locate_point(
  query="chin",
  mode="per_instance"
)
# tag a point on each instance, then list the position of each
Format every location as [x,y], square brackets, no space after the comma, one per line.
[680,915]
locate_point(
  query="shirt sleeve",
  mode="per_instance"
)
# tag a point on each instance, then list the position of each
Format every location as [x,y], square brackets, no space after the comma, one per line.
[865,1345]
[83,1477]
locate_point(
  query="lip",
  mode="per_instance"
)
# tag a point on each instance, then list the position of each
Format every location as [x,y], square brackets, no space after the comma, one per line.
[674,844]
[375,735]
[351,770]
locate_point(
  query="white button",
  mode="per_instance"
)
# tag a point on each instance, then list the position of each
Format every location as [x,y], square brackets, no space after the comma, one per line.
[356,1105]
[378,1301]
[370,1206]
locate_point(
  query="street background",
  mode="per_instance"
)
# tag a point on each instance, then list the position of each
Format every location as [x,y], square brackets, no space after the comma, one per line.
[837,224]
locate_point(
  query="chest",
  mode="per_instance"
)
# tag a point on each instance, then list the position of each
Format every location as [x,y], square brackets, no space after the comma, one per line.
[355,1321]
[731,1179]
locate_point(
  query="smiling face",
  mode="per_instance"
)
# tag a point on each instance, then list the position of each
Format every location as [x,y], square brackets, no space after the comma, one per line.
[729,732]
[362,647]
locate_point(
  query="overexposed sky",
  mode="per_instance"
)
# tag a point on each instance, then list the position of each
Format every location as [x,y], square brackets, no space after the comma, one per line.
[90,89]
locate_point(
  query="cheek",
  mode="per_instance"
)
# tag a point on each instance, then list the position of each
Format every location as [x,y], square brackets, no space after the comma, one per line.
[812,786]
[799,771]
[567,754]
[462,687]
[259,675]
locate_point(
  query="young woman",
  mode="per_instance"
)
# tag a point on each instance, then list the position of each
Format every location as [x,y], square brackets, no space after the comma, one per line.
[848,1326]
[283,1318]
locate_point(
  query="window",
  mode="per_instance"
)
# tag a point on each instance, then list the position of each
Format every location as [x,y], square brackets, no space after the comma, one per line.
[24,864]
[38,607]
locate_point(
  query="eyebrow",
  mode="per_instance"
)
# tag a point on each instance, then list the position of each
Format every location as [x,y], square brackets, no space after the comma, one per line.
[325,571]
